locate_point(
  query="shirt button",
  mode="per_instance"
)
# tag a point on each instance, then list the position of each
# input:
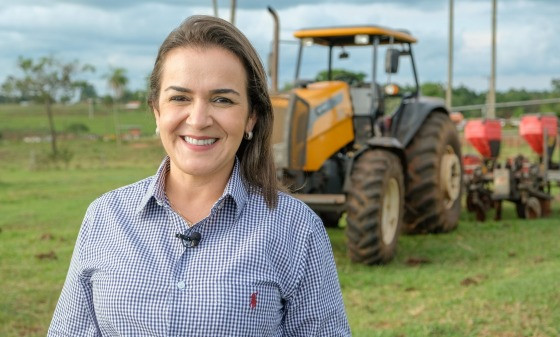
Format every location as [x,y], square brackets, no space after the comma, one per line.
[181,285]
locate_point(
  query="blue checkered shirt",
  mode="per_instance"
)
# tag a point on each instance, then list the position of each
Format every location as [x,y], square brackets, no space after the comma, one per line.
[255,272]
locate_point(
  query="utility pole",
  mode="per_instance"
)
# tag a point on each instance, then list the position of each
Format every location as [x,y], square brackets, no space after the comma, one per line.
[232,12]
[449,90]
[491,99]
[215,3]
[273,60]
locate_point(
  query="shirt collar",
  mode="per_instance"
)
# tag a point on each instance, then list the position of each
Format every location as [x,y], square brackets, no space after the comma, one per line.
[236,188]
[156,189]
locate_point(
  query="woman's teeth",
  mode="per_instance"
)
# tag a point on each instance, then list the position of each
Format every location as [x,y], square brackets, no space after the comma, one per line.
[199,142]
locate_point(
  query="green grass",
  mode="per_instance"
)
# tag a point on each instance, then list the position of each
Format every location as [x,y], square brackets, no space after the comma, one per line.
[41,211]
[485,279]
[32,120]
[498,278]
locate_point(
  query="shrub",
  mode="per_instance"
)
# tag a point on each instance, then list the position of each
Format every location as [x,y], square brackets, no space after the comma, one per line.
[77,128]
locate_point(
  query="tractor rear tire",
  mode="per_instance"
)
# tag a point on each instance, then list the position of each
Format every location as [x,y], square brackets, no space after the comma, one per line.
[435,177]
[375,207]
[533,208]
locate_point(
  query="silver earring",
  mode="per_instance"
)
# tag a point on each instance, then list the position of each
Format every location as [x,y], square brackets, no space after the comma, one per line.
[157,130]
[249,135]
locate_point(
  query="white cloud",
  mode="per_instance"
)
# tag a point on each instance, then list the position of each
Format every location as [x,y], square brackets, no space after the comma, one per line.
[127,34]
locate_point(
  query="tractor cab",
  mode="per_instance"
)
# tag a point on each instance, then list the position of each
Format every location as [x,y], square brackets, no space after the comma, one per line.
[344,105]
[368,58]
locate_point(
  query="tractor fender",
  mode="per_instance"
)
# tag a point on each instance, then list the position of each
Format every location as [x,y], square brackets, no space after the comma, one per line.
[386,143]
[411,114]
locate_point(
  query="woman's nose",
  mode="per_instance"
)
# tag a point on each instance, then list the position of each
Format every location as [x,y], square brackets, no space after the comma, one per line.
[199,115]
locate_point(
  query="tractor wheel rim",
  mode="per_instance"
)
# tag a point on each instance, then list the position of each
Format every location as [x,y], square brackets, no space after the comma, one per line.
[450,177]
[390,216]
[533,208]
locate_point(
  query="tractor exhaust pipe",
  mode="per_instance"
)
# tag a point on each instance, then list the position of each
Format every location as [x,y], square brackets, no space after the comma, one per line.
[273,60]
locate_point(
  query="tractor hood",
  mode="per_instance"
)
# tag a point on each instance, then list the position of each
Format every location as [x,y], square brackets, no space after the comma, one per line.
[311,124]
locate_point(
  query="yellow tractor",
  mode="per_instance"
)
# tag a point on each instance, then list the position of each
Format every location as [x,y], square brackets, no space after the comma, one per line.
[389,159]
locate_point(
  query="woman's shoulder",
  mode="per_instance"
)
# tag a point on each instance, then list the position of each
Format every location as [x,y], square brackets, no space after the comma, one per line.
[124,194]
[290,207]
[288,201]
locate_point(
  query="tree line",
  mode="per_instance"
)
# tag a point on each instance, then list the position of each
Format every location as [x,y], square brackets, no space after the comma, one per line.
[463,96]
[48,80]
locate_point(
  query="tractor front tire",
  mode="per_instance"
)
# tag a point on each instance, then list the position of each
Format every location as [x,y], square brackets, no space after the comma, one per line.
[435,177]
[375,207]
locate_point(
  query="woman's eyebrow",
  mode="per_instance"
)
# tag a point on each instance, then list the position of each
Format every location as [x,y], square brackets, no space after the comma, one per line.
[224,91]
[176,88]
[213,92]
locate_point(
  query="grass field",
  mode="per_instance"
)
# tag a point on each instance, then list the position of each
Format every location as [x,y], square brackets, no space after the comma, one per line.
[484,279]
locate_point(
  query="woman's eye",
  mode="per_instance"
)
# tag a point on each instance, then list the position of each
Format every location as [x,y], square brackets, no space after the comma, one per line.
[222,100]
[178,98]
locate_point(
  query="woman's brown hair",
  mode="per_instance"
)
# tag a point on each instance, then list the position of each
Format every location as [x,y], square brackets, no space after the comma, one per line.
[255,156]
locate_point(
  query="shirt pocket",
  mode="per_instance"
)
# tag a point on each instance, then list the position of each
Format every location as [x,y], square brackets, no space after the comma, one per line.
[253,309]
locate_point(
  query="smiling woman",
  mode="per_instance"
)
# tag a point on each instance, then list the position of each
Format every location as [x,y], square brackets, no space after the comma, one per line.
[202,114]
[208,246]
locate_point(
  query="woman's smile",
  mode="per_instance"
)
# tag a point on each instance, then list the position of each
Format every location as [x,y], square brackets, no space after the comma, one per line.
[199,142]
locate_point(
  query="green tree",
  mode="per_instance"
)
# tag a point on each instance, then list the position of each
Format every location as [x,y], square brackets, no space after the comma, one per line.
[465,96]
[432,89]
[555,85]
[137,95]
[348,76]
[47,80]
[517,112]
[287,86]
[8,91]
[117,81]
[87,91]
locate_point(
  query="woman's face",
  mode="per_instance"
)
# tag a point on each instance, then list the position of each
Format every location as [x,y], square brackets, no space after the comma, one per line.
[203,110]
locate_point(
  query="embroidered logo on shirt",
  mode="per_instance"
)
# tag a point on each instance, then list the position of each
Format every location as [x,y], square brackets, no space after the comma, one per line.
[253,303]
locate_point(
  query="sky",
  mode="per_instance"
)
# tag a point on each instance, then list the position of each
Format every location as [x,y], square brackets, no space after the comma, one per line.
[127,33]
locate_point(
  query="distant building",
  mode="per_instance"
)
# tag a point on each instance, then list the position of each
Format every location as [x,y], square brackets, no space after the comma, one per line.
[132,105]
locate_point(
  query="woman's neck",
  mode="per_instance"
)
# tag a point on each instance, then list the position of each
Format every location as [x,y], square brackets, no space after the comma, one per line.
[193,196]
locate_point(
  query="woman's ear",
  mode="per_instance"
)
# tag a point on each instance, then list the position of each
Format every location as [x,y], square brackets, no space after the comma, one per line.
[156,114]
[251,121]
